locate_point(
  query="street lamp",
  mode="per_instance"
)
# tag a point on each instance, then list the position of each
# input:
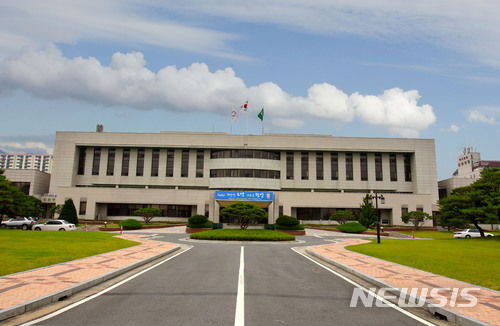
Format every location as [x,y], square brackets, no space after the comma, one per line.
[382,201]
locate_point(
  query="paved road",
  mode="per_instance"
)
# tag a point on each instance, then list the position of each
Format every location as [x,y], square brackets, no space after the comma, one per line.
[200,287]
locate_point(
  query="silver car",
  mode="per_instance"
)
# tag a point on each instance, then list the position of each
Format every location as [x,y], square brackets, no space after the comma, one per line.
[55,225]
[24,223]
[470,233]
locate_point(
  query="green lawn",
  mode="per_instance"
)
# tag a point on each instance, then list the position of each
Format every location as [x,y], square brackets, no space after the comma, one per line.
[242,235]
[25,250]
[474,261]
[430,234]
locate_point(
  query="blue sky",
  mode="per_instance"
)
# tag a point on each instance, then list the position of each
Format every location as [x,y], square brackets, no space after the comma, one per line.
[426,69]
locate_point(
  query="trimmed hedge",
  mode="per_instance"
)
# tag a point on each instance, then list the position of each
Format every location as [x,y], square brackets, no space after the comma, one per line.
[130,224]
[286,220]
[351,227]
[288,227]
[206,225]
[242,235]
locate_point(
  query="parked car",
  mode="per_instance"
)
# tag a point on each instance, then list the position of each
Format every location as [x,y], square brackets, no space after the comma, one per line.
[25,223]
[55,225]
[470,233]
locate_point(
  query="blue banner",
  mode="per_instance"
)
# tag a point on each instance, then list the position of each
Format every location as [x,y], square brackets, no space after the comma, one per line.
[244,195]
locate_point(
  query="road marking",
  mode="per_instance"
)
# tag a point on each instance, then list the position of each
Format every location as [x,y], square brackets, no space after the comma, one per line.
[239,316]
[71,306]
[389,304]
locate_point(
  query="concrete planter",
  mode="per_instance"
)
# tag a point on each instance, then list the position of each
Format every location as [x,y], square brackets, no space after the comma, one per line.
[293,232]
[144,227]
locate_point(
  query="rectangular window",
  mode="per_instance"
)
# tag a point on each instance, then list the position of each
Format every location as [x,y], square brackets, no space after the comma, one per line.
[83,208]
[81,160]
[363,165]
[407,163]
[97,161]
[170,163]
[110,170]
[125,161]
[378,167]
[319,166]
[200,159]
[305,165]
[393,167]
[139,171]
[289,165]
[334,159]
[349,172]
[185,163]
[155,162]
[404,210]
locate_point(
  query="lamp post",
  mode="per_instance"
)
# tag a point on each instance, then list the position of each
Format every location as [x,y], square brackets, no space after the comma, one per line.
[382,201]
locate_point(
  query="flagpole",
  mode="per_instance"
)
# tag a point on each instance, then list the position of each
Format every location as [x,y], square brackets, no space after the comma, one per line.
[247,121]
[231,118]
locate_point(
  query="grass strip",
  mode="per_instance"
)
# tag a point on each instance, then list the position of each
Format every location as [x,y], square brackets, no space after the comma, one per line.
[25,250]
[242,235]
[473,261]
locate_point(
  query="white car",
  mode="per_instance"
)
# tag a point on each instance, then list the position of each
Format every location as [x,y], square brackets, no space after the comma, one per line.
[470,233]
[55,225]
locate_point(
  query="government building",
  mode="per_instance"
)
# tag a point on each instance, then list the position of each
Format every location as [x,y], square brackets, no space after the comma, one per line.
[109,175]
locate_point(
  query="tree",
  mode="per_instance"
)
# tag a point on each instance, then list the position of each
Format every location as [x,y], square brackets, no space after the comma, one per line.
[13,202]
[148,213]
[55,209]
[367,213]
[416,218]
[342,216]
[68,212]
[244,212]
[478,203]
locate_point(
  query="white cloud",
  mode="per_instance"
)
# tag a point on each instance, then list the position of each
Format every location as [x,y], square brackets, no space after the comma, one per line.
[26,147]
[484,115]
[466,26]
[454,128]
[471,27]
[395,109]
[33,24]
[126,82]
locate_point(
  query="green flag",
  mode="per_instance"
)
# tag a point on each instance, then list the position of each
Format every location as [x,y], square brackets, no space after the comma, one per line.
[261,115]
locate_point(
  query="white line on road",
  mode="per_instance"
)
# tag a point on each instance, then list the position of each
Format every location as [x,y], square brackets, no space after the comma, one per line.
[409,314]
[239,317]
[71,306]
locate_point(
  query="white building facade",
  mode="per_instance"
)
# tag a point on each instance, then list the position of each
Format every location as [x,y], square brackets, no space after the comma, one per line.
[110,175]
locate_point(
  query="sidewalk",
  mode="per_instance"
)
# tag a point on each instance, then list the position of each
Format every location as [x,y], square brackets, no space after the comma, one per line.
[28,290]
[386,274]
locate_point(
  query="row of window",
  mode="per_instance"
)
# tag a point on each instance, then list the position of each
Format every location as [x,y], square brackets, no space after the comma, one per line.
[349,166]
[167,210]
[334,164]
[139,171]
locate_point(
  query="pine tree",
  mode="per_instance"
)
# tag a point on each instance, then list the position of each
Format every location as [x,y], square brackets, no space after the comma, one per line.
[367,214]
[68,212]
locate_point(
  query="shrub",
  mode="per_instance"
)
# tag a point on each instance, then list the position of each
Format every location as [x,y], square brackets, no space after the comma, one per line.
[244,212]
[130,224]
[286,220]
[197,219]
[351,227]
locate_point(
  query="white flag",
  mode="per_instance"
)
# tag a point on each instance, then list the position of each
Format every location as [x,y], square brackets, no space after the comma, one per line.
[234,115]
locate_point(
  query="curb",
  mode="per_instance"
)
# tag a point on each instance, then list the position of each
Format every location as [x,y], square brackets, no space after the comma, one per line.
[56,296]
[452,316]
